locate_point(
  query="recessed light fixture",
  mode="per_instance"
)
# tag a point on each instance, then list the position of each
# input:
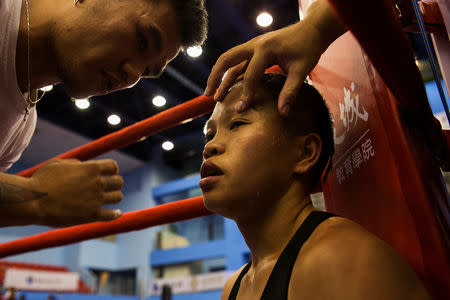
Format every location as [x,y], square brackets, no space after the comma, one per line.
[47,88]
[114,119]
[264,19]
[194,51]
[82,103]
[168,145]
[159,101]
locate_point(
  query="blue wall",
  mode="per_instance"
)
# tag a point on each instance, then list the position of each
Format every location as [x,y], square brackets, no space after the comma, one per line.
[43,296]
[210,295]
[433,96]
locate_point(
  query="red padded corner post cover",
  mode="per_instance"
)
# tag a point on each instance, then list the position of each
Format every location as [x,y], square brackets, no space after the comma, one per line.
[383,175]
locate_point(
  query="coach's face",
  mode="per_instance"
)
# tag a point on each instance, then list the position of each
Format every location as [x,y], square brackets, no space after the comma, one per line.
[109,45]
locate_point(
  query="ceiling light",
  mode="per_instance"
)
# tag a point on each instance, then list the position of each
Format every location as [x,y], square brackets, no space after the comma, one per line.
[47,88]
[194,51]
[159,101]
[264,19]
[168,145]
[82,103]
[114,119]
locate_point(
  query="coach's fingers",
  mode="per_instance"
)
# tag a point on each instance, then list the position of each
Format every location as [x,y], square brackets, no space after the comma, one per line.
[106,166]
[252,76]
[290,90]
[228,81]
[109,214]
[229,59]
[112,197]
[112,183]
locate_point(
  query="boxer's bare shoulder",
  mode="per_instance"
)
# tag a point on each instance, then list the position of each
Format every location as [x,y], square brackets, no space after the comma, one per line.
[342,260]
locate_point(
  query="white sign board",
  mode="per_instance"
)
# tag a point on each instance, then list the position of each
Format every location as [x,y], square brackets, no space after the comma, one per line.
[22,279]
[191,284]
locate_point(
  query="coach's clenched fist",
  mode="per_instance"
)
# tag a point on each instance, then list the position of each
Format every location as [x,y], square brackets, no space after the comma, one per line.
[62,193]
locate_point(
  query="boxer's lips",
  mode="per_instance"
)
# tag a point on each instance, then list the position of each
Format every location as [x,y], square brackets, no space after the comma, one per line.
[209,169]
[210,174]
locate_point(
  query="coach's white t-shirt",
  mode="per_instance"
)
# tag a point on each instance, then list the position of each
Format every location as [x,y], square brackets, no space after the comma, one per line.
[15,132]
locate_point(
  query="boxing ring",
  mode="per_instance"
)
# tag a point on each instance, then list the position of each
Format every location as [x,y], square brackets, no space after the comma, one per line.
[130,221]
[421,231]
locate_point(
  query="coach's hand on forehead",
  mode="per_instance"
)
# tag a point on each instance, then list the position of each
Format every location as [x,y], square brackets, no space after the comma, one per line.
[293,55]
[296,49]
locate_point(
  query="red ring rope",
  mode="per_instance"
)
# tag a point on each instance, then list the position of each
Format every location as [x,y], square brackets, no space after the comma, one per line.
[133,133]
[162,214]
[130,221]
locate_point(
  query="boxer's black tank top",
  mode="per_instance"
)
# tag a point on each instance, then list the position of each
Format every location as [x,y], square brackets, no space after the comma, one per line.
[278,284]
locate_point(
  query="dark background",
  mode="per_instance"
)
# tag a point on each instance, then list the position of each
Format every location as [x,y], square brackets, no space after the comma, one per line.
[231,22]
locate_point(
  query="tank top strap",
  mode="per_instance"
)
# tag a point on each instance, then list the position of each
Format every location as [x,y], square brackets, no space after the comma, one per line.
[237,283]
[278,284]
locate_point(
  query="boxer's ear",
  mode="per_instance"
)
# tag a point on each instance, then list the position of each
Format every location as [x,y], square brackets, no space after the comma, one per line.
[309,148]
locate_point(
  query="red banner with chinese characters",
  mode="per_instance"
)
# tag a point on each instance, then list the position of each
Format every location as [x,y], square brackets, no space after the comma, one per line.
[383,176]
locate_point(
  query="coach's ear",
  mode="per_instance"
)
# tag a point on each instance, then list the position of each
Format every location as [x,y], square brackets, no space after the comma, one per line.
[309,148]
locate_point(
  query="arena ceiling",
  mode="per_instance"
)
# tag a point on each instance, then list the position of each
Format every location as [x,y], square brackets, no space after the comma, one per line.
[231,22]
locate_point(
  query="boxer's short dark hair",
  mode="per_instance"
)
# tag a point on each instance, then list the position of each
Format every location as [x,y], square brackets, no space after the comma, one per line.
[309,114]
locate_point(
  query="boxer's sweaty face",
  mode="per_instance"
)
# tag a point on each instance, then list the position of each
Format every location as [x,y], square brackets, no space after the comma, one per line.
[248,158]
[109,45]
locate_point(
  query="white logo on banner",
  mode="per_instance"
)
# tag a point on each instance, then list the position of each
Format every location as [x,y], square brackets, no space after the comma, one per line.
[356,155]
[191,284]
[350,112]
[361,151]
[41,280]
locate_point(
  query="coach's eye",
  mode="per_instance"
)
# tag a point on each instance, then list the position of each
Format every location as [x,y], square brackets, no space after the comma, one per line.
[142,42]
[236,124]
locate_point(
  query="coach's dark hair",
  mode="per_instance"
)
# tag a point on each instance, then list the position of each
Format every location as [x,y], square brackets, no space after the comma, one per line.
[309,114]
[192,21]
